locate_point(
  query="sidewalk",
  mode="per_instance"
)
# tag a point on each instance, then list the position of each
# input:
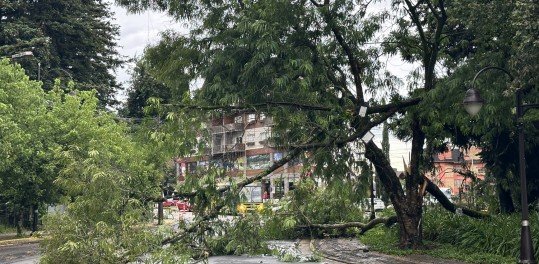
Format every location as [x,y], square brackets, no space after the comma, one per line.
[12,239]
[350,250]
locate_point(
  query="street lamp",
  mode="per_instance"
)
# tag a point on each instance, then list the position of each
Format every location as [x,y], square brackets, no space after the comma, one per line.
[472,103]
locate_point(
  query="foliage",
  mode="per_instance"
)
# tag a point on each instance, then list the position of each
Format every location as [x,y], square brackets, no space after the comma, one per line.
[6,229]
[70,39]
[28,167]
[385,240]
[142,87]
[499,235]
[108,180]
[312,55]
[243,236]
[478,41]
[309,204]
[60,147]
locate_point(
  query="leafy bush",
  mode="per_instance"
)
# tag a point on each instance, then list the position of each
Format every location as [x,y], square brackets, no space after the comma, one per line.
[499,234]
[242,237]
[383,239]
[309,204]
[6,229]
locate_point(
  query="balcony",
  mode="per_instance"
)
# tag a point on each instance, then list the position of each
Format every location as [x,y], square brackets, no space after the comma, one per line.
[218,149]
[227,128]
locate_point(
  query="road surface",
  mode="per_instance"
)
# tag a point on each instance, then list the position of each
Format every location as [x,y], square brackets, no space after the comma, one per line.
[27,253]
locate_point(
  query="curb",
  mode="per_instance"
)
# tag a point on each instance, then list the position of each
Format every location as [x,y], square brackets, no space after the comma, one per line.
[18,241]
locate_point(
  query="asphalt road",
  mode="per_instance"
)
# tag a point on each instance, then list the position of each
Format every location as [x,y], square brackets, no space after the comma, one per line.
[19,254]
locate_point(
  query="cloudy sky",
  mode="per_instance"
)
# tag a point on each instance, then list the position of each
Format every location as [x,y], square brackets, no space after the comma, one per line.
[140,30]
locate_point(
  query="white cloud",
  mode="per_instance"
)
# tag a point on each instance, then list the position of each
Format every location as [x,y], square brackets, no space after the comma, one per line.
[137,31]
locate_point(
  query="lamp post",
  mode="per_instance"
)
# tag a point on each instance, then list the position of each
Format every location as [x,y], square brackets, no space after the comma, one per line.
[472,103]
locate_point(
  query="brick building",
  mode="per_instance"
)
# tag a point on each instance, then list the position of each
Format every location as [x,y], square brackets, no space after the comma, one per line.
[452,167]
[239,144]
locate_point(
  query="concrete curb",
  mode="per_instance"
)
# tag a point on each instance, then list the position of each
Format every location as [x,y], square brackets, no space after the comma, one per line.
[18,241]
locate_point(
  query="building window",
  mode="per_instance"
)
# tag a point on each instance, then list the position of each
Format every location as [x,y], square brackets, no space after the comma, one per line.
[238,119]
[278,188]
[258,162]
[291,186]
[191,167]
[239,140]
[458,183]
[250,137]
[251,118]
[263,135]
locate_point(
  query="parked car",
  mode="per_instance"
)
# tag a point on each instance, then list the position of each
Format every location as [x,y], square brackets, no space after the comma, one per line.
[169,202]
[184,206]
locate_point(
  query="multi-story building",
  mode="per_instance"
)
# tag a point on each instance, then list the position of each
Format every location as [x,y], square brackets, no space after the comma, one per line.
[240,145]
[452,169]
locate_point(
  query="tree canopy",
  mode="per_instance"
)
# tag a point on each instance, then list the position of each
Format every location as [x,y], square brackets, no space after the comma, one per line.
[69,39]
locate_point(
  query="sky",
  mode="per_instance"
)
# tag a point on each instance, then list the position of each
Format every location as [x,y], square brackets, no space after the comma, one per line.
[137,31]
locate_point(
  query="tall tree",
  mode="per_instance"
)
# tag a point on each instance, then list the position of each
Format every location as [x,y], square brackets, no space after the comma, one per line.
[142,87]
[69,39]
[311,56]
[478,42]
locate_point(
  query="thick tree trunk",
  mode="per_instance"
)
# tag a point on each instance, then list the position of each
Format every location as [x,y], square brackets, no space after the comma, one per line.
[407,207]
[506,201]
[411,231]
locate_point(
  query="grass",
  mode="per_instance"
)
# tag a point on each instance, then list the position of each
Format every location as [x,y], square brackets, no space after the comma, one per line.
[385,240]
[7,229]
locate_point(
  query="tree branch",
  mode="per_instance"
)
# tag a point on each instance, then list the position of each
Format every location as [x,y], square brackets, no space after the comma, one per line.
[415,18]
[448,205]
[352,60]
[393,106]
[363,226]
[256,106]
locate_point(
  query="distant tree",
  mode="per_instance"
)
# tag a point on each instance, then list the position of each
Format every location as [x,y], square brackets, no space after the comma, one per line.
[142,87]
[70,39]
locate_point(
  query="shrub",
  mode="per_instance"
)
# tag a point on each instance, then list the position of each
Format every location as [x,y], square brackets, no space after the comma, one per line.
[499,234]
[309,204]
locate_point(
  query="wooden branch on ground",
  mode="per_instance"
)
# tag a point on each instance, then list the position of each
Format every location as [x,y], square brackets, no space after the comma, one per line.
[363,226]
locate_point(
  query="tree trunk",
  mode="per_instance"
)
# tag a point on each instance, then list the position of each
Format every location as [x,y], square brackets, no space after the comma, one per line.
[160,213]
[407,207]
[411,231]
[506,201]
[20,222]
[35,214]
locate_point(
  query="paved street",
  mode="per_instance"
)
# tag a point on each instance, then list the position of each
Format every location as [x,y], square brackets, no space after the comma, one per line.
[350,250]
[27,253]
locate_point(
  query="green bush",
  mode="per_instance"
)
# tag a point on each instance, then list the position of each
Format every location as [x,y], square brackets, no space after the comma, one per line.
[309,204]
[499,234]
[7,229]
[385,240]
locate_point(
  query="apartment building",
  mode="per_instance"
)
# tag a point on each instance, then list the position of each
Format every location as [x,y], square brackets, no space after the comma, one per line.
[240,145]
[450,168]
